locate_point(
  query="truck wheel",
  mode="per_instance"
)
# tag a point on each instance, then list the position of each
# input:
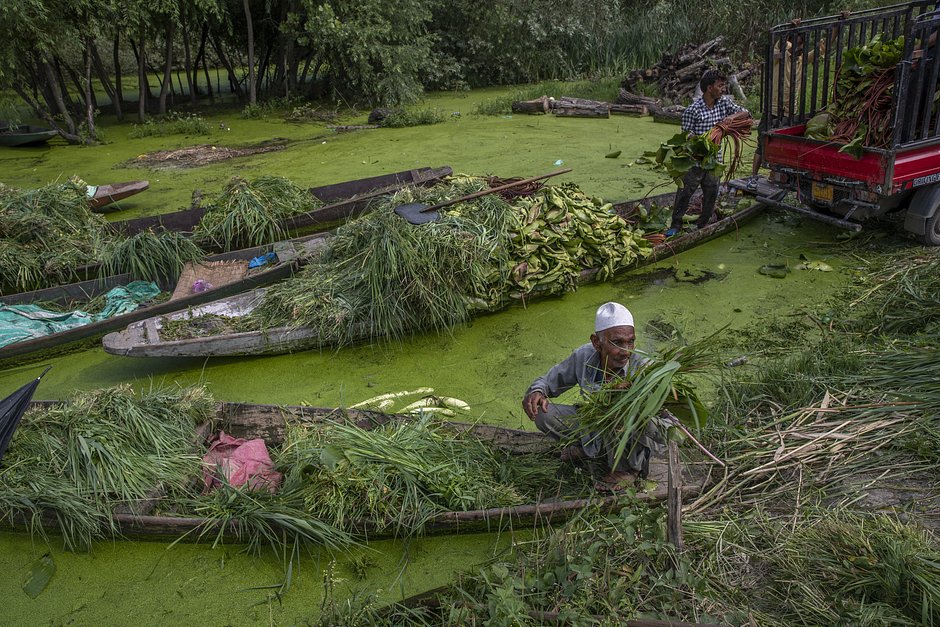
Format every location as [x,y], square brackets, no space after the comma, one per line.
[932,235]
[923,215]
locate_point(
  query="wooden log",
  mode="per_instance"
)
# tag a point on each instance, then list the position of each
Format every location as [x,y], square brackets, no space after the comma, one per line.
[628,97]
[698,52]
[667,117]
[629,109]
[567,102]
[582,112]
[539,105]
[674,497]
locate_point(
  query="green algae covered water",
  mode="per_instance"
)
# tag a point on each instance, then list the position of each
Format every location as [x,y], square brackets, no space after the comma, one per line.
[488,363]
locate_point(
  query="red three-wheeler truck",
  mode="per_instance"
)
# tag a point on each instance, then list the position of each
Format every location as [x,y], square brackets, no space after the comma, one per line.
[842,184]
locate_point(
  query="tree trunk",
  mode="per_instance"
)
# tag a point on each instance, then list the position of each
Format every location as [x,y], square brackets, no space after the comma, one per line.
[56,90]
[252,88]
[118,88]
[205,61]
[105,80]
[187,59]
[217,46]
[264,67]
[539,105]
[582,112]
[167,83]
[89,105]
[44,114]
[143,87]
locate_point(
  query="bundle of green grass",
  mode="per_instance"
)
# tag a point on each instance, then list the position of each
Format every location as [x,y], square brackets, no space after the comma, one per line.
[383,277]
[101,449]
[398,476]
[47,236]
[252,213]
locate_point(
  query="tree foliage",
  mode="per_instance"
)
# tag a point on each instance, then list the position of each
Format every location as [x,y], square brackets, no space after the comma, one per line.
[60,55]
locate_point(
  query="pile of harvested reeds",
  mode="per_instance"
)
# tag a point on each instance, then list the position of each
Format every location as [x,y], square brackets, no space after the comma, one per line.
[158,256]
[46,234]
[101,449]
[253,213]
[397,476]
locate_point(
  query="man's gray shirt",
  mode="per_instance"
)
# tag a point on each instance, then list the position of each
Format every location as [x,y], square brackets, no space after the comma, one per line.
[581,368]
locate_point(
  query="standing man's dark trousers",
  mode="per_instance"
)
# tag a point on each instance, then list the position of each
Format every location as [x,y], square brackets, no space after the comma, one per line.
[694,178]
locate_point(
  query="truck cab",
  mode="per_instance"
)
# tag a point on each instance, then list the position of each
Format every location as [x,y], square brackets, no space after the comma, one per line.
[843,181]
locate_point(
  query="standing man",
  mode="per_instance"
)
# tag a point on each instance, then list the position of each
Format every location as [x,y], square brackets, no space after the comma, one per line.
[609,355]
[697,119]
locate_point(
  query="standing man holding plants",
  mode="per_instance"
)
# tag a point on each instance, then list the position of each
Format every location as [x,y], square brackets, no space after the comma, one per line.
[697,119]
[607,357]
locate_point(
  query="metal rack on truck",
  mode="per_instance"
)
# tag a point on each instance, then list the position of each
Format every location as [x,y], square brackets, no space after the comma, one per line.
[833,185]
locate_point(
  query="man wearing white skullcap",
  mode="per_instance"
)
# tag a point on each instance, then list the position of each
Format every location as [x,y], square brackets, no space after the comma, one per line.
[609,355]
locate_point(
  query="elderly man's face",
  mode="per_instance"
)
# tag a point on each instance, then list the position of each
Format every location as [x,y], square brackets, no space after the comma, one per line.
[614,346]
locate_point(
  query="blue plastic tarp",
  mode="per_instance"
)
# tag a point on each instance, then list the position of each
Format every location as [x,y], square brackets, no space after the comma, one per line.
[25,322]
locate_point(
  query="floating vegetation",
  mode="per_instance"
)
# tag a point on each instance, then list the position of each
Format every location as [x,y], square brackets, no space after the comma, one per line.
[253,213]
[79,460]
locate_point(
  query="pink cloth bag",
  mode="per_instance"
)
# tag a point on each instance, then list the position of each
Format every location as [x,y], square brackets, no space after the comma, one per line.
[239,462]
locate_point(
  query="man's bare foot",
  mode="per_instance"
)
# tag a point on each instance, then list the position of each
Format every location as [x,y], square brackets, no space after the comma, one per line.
[573,453]
[616,481]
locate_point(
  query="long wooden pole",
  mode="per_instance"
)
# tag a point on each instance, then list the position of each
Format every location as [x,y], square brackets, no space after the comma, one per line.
[674,497]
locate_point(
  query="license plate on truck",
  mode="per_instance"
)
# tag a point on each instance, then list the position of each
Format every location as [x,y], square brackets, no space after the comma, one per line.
[822,192]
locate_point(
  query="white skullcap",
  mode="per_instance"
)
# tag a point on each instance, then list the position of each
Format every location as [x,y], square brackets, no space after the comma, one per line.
[612,315]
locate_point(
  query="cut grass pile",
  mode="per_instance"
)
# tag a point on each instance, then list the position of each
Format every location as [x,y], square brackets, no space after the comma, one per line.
[48,235]
[381,277]
[252,213]
[101,449]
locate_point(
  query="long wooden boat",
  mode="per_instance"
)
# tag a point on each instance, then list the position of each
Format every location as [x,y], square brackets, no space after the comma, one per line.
[106,195]
[269,422]
[143,338]
[234,280]
[13,135]
[344,200]
[227,273]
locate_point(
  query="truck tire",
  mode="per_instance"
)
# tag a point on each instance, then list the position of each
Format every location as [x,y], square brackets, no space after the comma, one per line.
[923,217]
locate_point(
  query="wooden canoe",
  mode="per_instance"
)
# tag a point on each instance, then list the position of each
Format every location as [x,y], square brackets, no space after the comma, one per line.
[13,135]
[143,339]
[290,255]
[344,200]
[269,422]
[106,195]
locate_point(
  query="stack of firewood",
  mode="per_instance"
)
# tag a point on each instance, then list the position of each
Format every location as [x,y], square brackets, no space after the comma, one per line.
[677,75]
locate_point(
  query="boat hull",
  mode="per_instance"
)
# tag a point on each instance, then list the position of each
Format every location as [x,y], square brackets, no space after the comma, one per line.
[143,339]
[243,420]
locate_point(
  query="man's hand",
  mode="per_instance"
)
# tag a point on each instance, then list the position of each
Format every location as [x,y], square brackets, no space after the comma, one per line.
[534,402]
